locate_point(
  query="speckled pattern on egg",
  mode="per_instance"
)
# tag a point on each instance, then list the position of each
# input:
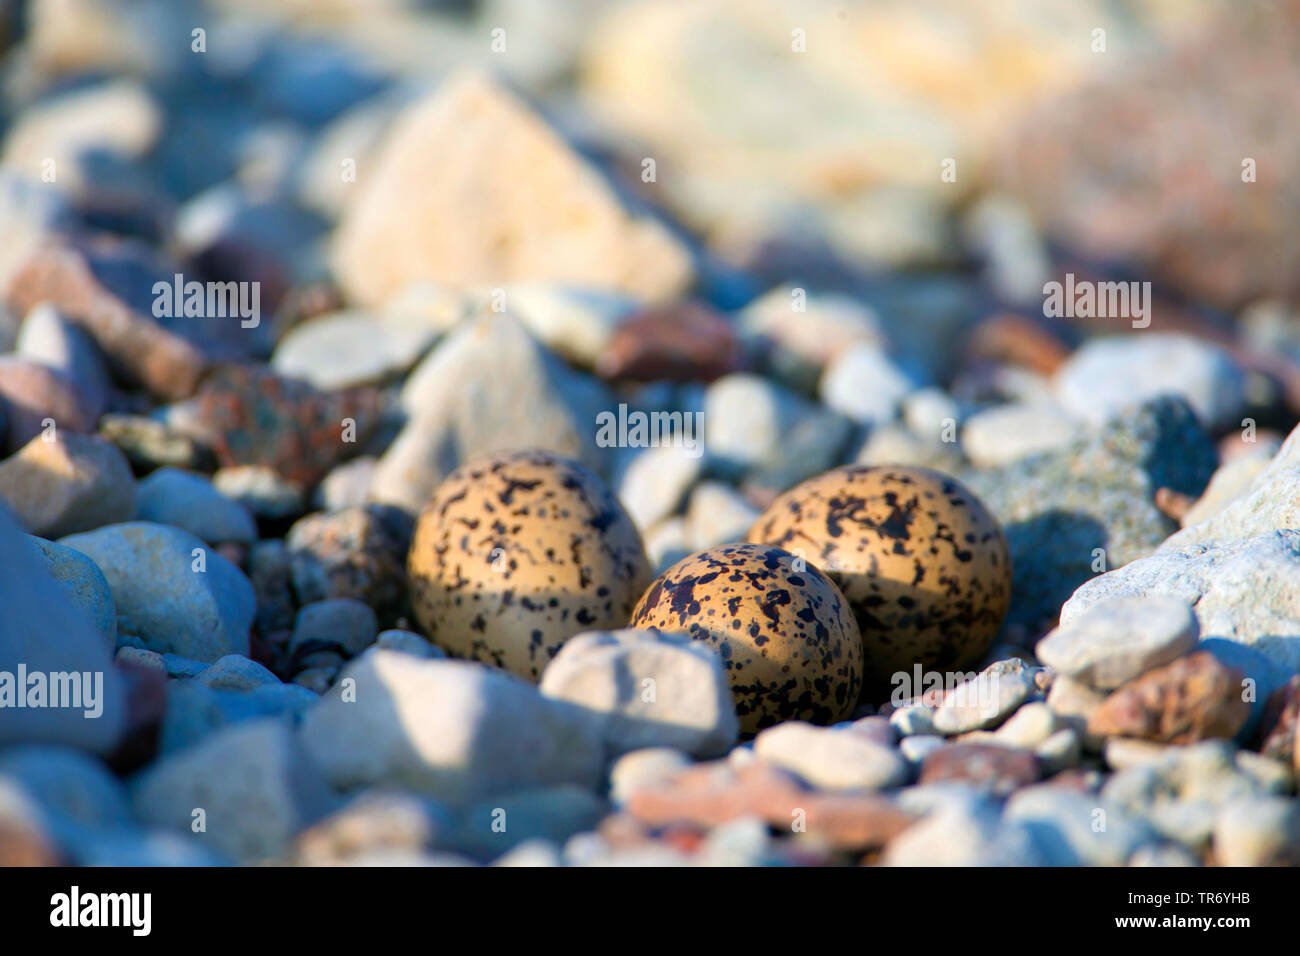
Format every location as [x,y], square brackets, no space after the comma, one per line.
[922,562]
[785,634]
[517,553]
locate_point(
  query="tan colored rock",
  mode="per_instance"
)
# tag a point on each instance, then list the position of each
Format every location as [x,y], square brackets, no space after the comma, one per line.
[34,395]
[1194,698]
[471,188]
[71,484]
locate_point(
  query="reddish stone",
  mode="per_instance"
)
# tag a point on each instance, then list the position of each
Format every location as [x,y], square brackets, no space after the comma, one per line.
[1280,725]
[33,393]
[712,793]
[250,415]
[1002,770]
[1012,338]
[1194,698]
[684,342]
[146,702]
[163,362]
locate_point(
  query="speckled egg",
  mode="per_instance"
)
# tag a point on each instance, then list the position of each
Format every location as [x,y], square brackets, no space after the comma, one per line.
[786,636]
[517,553]
[923,564]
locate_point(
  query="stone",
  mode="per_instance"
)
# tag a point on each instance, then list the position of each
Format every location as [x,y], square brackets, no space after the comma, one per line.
[655,482]
[68,484]
[993,767]
[161,594]
[648,767]
[1072,513]
[81,578]
[371,822]
[1061,751]
[458,410]
[753,424]
[251,415]
[270,573]
[832,759]
[1241,591]
[1281,725]
[1118,640]
[574,229]
[1270,504]
[1086,830]
[261,491]
[139,657]
[48,337]
[717,515]
[864,384]
[149,443]
[1186,218]
[1194,698]
[162,361]
[1107,376]
[253,783]
[234,672]
[1163,855]
[919,746]
[1233,479]
[347,485]
[454,730]
[188,501]
[343,349]
[36,395]
[342,624]
[488,828]
[913,721]
[795,343]
[194,712]
[23,840]
[1029,726]
[647,689]
[998,436]
[964,836]
[1258,831]
[893,443]
[576,323]
[355,553]
[667,543]
[409,643]
[74,792]
[684,341]
[984,701]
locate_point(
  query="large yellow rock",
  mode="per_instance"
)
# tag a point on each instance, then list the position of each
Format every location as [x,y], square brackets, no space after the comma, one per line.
[471,188]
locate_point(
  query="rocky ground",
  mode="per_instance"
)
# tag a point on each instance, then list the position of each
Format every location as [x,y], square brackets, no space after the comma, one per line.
[822,231]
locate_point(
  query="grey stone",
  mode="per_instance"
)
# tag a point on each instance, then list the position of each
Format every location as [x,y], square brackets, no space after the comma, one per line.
[188,501]
[832,759]
[983,702]
[493,826]
[647,689]
[1086,831]
[453,730]
[260,490]
[644,768]
[964,835]
[234,672]
[254,785]
[1258,831]
[195,711]
[409,643]
[344,349]
[345,622]
[67,484]
[81,578]
[655,482]
[864,384]
[1117,640]
[717,514]
[50,338]
[1003,434]
[162,596]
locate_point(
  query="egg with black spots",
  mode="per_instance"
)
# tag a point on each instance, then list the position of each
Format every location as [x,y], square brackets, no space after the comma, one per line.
[518,552]
[923,564]
[783,631]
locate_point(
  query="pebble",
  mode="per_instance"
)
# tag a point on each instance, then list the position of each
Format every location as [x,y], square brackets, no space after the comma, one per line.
[1107,376]
[234,672]
[343,624]
[680,342]
[919,746]
[270,574]
[255,764]
[656,481]
[162,597]
[717,515]
[355,553]
[36,395]
[648,767]
[576,230]
[832,759]
[48,337]
[1060,751]
[1071,513]
[371,822]
[1089,831]
[347,485]
[68,484]
[930,412]
[1236,590]
[409,643]
[964,836]
[1194,698]
[457,410]
[982,702]
[487,828]
[1258,831]
[149,443]
[864,384]
[667,543]
[1118,640]
[343,349]
[576,323]
[796,344]
[913,721]
[998,436]
[316,679]
[188,501]
[993,767]
[647,689]
[753,424]
[81,578]
[194,712]
[261,491]
[1163,855]
[1028,727]
[1234,478]
[467,731]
